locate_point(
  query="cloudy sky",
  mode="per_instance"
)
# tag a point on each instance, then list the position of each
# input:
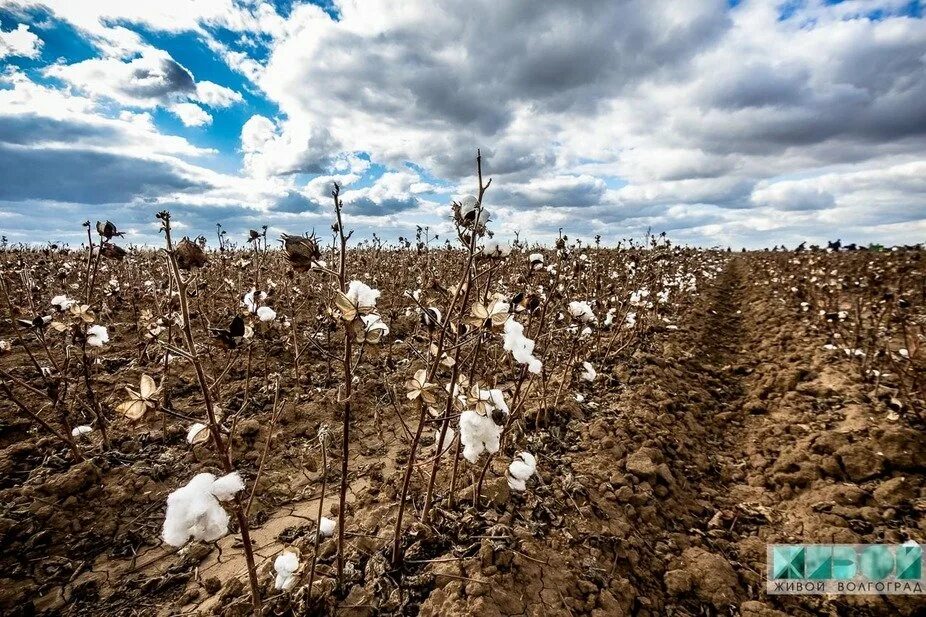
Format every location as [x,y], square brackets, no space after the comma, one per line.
[748,123]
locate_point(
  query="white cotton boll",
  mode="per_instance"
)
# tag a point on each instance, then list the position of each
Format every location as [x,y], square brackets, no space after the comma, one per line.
[494,248]
[520,471]
[83,429]
[468,206]
[631,320]
[97,336]
[63,303]
[498,399]
[478,434]
[194,431]
[285,566]
[362,294]
[586,332]
[326,527]
[521,347]
[609,317]
[580,398]
[225,487]
[431,317]
[904,353]
[581,311]
[193,511]
[265,313]
[589,374]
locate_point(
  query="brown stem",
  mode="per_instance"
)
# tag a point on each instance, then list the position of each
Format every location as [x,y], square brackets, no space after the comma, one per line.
[221,450]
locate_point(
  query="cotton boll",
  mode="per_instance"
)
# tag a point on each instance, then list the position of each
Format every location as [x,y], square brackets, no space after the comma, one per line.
[194,511]
[520,470]
[494,248]
[326,527]
[609,317]
[225,487]
[468,207]
[581,311]
[362,295]
[521,347]
[285,566]
[81,430]
[589,374]
[63,303]
[374,328]
[265,313]
[97,336]
[478,434]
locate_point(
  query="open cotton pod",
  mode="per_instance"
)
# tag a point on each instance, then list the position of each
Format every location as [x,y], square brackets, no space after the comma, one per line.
[197,434]
[520,470]
[286,565]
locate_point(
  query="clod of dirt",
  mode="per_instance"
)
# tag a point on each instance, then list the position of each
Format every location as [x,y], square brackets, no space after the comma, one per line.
[860,462]
[754,608]
[678,582]
[712,576]
[79,478]
[903,448]
[895,492]
[642,463]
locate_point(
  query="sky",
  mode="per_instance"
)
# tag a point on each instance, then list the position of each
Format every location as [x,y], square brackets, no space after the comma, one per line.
[720,122]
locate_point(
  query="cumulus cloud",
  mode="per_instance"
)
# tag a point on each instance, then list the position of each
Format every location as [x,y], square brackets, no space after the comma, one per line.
[279,149]
[147,81]
[717,122]
[214,95]
[20,42]
[191,114]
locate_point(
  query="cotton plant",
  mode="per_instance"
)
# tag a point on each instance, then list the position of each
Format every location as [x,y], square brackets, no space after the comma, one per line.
[194,511]
[253,301]
[481,426]
[494,249]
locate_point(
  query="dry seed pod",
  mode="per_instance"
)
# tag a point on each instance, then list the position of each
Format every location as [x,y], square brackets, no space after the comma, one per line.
[190,255]
[108,230]
[111,251]
[302,253]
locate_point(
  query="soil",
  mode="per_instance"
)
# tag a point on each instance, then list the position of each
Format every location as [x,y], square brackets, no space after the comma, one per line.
[657,494]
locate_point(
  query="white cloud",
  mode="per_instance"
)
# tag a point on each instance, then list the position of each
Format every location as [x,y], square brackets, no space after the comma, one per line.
[146,81]
[191,114]
[214,95]
[272,149]
[20,42]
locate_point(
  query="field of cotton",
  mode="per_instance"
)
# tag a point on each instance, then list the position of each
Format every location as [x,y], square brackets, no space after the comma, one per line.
[449,425]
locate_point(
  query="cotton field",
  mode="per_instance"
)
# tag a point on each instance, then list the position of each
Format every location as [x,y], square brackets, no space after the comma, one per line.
[314,424]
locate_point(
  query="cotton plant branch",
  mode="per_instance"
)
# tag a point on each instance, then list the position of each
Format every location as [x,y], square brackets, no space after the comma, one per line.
[222,449]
